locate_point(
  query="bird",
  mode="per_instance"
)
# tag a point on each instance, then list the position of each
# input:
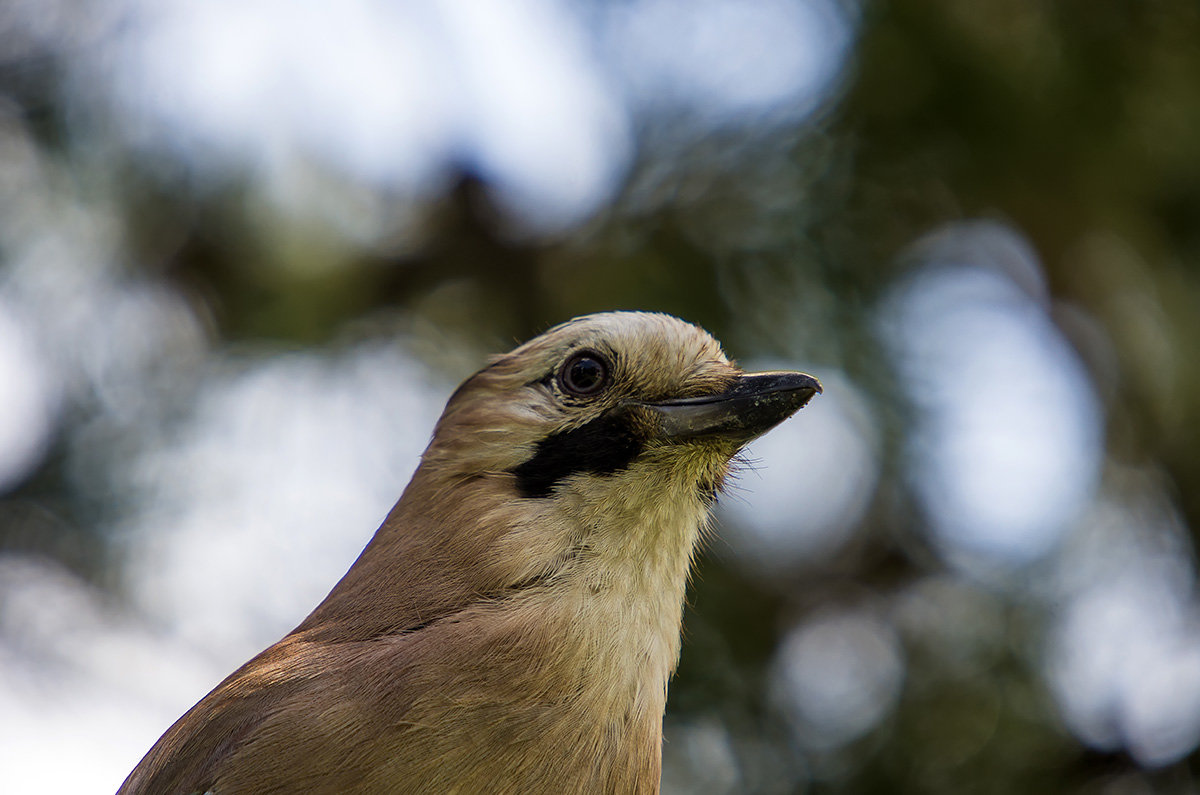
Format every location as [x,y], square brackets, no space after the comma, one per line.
[513,624]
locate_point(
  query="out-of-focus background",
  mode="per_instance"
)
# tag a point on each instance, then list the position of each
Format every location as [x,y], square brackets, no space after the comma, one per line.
[247,249]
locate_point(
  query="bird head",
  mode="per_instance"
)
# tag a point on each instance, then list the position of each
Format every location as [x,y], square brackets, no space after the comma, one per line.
[606,393]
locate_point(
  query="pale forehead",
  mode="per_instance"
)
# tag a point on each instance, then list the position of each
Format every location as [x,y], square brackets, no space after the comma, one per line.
[646,336]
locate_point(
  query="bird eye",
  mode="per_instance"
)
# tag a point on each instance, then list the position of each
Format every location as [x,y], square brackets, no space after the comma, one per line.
[584,374]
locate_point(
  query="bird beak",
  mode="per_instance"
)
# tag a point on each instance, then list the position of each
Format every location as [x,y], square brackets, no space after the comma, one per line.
[755,404]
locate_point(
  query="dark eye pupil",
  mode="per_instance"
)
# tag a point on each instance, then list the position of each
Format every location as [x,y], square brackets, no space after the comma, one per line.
[584,375]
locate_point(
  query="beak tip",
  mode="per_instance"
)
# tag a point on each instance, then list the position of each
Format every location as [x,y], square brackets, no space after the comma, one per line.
[804,383]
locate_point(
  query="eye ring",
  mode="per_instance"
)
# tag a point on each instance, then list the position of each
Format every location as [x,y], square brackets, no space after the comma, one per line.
[584,374]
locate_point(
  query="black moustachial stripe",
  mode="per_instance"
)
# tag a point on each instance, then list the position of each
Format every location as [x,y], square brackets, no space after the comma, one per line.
[605,445]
